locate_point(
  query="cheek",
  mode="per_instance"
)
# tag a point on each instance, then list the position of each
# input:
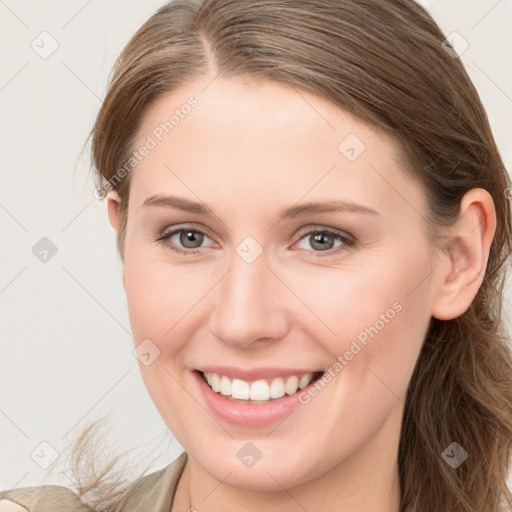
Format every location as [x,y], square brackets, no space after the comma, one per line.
[160,299]
[373,319]
[379,325]
[159,294]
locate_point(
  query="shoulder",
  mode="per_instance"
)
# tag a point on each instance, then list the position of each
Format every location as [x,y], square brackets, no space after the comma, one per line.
[154,492]
[44,498]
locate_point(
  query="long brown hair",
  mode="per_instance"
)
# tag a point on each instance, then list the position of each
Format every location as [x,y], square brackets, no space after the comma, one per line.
[384,61]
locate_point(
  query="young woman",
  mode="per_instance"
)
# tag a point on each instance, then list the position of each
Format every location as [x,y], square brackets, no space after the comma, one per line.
[315,226]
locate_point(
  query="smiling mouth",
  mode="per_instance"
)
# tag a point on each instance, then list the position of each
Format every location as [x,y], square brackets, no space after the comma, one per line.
[260,391]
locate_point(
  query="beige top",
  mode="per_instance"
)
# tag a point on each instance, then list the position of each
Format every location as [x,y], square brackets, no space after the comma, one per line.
[153,492]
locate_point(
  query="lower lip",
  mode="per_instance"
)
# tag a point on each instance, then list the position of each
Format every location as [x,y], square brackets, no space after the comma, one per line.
[253,415]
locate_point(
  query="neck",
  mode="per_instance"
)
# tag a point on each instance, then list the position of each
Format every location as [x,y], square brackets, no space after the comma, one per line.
[366,480]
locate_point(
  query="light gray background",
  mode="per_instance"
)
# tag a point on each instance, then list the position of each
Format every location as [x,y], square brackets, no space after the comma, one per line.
[66,347]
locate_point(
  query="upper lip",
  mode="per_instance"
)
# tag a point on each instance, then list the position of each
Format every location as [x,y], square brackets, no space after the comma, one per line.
[253,374]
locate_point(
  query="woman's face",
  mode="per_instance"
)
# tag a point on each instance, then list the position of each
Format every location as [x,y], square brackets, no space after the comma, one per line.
[249,292]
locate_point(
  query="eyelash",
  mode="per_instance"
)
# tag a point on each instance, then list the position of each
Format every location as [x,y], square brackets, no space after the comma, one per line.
[349,241]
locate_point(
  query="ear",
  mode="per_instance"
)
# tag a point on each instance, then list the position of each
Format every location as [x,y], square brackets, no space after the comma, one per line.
[465,257]
[113,203]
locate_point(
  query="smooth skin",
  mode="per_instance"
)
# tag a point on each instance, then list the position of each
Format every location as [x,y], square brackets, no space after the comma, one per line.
[248,150]
[10,506]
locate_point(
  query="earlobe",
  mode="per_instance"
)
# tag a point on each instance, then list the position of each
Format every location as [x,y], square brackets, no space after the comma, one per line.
[464,261]
[113,202]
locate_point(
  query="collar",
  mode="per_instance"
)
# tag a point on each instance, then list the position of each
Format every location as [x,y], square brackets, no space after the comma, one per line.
[155,491]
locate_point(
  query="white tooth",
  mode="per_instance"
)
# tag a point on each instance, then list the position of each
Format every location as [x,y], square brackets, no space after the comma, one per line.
[240,389]
[277,388]
[257,390]
[225,386]
[305,380]
[291,385]
[260,390]
[215,382]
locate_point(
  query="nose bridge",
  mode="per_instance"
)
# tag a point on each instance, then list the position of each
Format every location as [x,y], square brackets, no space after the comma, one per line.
[249,302]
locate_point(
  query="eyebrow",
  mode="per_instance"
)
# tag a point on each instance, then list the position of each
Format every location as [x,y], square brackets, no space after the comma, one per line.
[287,213]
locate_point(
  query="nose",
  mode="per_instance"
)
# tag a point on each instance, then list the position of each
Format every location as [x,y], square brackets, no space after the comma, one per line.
[250,305]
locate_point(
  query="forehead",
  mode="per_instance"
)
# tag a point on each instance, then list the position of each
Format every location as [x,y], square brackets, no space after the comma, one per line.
[248,136]
[248,109]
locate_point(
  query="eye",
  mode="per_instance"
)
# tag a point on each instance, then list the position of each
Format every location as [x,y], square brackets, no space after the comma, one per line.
[324,240]
[190,238]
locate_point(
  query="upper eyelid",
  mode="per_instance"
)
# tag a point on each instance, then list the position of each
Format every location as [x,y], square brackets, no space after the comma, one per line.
[174,230]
